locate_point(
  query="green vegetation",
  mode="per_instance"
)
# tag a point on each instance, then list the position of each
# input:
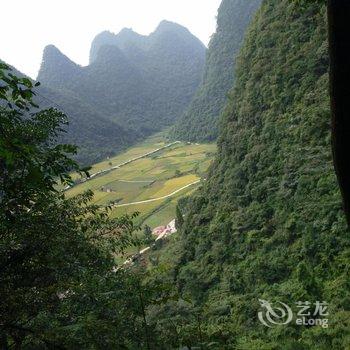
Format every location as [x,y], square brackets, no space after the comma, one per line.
[59,286]
[158,175]
[268,223]
[134,85]
[166,176]
[200,121]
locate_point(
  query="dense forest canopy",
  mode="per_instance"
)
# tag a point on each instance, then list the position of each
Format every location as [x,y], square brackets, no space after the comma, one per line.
[200,120]
[268,223]
[141,84]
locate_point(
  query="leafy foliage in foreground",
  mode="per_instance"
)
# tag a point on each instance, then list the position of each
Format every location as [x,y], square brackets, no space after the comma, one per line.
[58,283]
[268,222]
[200,121]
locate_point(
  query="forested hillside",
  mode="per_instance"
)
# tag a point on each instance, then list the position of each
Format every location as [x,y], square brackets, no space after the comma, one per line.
[268,222]
[140,82]
[96,136]
[200,121]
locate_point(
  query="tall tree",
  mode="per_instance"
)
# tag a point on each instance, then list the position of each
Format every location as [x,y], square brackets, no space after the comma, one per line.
[339,47]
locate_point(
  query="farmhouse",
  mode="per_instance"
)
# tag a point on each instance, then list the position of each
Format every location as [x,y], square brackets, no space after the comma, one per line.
[159,230]
[106,189]
[163,231]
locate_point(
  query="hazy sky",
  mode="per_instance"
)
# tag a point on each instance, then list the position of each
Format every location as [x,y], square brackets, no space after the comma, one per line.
[30,25]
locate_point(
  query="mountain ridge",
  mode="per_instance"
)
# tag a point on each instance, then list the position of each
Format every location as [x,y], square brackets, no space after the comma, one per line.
[200,121]
[127,36]
[140,82]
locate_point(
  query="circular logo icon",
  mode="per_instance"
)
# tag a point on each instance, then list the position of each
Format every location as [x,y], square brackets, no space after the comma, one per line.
[274,316]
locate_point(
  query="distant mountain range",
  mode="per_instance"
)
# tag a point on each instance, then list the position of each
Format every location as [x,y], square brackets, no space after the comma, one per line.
[134,86]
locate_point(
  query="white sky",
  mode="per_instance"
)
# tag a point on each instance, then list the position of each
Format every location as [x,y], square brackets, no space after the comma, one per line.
[29,25]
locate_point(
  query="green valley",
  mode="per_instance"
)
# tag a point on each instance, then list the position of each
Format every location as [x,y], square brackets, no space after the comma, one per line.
[150,185]
[169,241]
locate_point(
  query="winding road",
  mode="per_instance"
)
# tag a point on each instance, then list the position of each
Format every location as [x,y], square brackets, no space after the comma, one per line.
[156,199]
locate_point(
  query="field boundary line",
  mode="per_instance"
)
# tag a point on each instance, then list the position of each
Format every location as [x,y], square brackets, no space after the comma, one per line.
[101,172]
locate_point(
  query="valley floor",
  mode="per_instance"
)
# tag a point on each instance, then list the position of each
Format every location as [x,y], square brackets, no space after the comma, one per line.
[148,178]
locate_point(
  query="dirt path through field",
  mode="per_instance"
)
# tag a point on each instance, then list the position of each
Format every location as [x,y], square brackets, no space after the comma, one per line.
[156,199]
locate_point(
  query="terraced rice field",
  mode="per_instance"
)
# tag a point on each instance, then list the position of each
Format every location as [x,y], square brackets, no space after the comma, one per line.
[160,177]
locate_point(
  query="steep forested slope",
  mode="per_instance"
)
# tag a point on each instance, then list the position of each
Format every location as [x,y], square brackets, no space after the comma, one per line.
[200,121]
[268,222]
[144,82]
[96,136]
